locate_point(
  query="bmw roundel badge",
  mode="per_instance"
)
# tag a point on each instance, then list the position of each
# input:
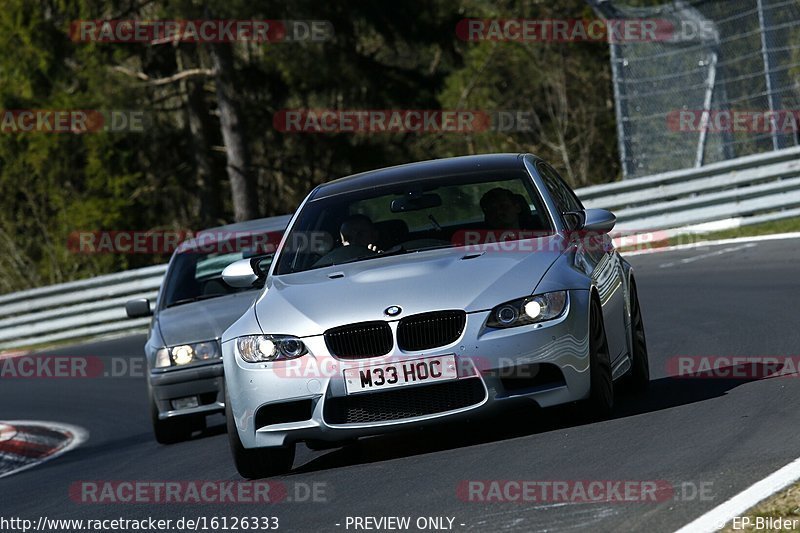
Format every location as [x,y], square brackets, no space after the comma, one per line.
[393,310]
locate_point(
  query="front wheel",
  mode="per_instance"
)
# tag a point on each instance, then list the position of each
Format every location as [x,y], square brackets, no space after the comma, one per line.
[256,463]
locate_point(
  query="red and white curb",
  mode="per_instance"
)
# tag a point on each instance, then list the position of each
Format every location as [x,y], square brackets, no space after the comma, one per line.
[25,444]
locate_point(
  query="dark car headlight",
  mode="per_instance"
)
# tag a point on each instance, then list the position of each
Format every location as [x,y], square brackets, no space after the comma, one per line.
[187,354]
[528,310]
[267,348]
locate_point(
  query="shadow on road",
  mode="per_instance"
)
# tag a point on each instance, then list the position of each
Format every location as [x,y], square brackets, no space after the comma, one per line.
[673,391]
[525,418]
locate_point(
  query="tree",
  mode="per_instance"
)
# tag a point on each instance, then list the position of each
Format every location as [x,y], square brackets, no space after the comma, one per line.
[243,190]
[210,153]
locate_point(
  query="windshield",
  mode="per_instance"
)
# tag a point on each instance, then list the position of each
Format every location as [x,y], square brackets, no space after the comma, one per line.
[412,217]
[195,276]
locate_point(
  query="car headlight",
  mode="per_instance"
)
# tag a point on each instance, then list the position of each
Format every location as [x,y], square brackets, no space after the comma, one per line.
[265,348]
[186,354]
[528,310]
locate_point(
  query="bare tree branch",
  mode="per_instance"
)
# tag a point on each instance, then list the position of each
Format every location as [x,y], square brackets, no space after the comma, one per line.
[164,81]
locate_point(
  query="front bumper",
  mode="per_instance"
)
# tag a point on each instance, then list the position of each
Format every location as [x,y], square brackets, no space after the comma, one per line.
[205,382]
[275,404]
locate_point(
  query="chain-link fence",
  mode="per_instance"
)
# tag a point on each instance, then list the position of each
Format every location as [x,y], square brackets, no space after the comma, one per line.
[721,79]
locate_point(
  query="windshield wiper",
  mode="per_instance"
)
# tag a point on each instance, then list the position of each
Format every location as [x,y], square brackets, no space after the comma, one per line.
[192,299]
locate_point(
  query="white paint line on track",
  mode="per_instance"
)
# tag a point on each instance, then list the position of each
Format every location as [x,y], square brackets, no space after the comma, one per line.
[717,517]
[702,244]
[716,253]
[78,437]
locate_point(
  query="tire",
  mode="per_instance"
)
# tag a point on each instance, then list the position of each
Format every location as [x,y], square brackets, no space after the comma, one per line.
[171,430]
[638,379]
[600,403]
[256,463]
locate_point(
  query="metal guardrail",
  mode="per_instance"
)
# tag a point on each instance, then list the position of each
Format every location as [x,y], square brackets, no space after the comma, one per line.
[747,190]
[742,191]
[79,309]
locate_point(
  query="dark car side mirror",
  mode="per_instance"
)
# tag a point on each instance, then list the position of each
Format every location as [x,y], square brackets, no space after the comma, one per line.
[138,308]
[598,220]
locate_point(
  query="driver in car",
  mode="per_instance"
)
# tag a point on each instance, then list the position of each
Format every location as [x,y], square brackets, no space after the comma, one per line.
[501,210]
[359,237]
[359,230]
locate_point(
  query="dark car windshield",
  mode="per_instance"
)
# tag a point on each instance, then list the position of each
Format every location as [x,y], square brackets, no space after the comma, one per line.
[195,275]
[411,217]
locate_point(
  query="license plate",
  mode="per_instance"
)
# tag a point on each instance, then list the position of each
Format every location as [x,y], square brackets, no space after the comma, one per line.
[400,373]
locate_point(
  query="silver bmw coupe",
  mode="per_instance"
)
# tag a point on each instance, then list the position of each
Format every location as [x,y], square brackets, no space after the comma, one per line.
[424,293]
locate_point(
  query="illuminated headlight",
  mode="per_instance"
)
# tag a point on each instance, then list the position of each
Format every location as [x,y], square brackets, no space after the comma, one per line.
[182,355]
[528,310]
[186,354]
[265,348]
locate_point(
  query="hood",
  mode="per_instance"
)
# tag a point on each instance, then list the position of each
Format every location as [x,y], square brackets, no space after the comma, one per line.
[308,303]
[203,320]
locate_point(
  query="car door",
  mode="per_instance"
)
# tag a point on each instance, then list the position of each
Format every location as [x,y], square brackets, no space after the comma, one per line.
[606,270]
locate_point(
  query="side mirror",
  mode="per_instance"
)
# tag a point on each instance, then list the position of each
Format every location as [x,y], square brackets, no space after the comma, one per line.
[241,274]
[138,308]
[598,220]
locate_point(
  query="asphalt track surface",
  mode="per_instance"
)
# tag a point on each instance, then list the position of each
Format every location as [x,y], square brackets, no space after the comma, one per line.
[720,434]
